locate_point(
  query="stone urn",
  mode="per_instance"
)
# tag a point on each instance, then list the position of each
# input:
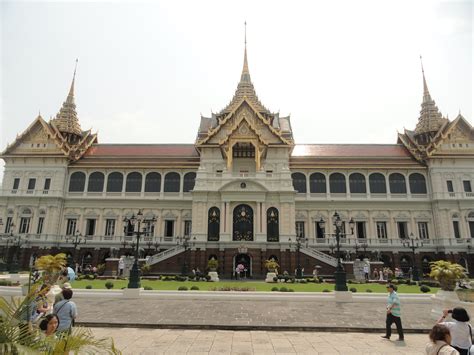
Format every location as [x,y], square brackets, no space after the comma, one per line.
[214,276]
[270,276]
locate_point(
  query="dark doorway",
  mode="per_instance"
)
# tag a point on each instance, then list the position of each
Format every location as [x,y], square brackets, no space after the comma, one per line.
[242,266]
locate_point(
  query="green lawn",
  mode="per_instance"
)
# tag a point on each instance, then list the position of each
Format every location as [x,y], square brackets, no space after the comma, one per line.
[255,285]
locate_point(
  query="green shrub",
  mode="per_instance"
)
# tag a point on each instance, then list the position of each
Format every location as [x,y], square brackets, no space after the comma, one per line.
[208,277]
[182,288]
[291,290]
[180,278]
[275,279]
[350,282]
[368,290]
[109,285]
[283,289]
[194,288]
[90,277]
[353,290]
[88,287]
[303,281]
[148,288]
[429,283]
[326,290]
[5,283]
[274,288]
[425,289]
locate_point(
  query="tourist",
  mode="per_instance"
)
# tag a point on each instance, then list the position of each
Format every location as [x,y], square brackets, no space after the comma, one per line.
[461,330]
[49,324]
[366,272]
[121,266]
[66,311]
[440,342]
[237,273]
[393,314]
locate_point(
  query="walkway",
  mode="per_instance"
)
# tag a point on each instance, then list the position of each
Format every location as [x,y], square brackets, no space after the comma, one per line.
[197,342]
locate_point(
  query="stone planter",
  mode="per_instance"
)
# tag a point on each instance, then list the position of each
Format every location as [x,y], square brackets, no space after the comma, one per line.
[270,276]
[465,295]
[214,276]
[448,300]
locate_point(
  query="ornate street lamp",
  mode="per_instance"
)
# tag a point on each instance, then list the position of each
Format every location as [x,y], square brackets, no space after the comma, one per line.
[414,243]
[17,241]
[299,241]
[340,273]
[358,246]
[136,221]
[185,242]
[75,240]
[153,244]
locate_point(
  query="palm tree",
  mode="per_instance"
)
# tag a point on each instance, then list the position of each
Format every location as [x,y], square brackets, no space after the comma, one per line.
[51,265]
[447,274]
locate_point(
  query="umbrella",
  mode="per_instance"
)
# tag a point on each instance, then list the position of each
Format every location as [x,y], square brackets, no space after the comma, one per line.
[71,274]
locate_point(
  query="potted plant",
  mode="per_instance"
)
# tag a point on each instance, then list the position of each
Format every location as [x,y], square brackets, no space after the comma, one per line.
[271,265]
[212,264]
[447,274]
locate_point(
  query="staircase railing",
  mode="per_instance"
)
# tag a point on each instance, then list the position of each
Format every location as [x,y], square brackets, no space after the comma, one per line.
[168,253]
[325,258]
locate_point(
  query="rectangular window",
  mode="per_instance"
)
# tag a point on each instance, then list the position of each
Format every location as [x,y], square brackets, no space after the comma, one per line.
[402,230]
[39,229]
[110,227]
[471,228]
[423,230]
[149,229]
[47,184]
[90,226]
[319,231]
[300,229]
[187,228]
[169,228]
[361,230]
[381,230]
[8,224]
[457,233]
[31,184]
[467,186]
[449,185]
[71,226]
[24,225]
[16,183]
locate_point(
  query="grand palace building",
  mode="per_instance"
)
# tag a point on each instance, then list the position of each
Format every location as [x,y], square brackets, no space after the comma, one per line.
[243,192]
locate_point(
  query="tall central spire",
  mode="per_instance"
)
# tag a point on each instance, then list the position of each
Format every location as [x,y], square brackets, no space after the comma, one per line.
[245,77]
[426,93]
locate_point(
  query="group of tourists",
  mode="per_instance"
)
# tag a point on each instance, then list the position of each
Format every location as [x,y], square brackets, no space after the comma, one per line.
[51,309]
[446,338]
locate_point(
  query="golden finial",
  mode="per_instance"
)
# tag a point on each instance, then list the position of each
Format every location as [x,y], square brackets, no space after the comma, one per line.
[245,33]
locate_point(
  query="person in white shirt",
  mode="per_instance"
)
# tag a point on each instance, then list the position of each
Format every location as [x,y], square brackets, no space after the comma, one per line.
[366,272]
[461,330]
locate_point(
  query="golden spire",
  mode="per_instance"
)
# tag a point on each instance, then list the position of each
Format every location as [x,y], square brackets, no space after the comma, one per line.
[70,96]
[245,77]
[426,93]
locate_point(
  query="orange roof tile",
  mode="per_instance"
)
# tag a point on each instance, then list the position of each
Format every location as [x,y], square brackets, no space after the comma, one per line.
[142,150]
[350,150]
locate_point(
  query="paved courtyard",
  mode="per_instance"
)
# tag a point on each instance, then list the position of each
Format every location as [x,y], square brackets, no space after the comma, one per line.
[261,313]
[177,341]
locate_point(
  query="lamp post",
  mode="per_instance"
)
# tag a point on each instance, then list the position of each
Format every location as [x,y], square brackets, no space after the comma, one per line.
[75,240]
[184,241]
[17,241]
[299,241]
[340,273]
[136,221]
[414,243]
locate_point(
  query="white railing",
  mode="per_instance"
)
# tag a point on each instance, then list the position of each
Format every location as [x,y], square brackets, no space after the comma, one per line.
[168,253]
[325,258]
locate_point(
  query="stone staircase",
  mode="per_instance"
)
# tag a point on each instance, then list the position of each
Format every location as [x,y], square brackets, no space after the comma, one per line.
[325,258]
[168,253]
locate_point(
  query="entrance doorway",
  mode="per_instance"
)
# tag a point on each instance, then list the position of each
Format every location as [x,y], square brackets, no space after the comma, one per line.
[244,264]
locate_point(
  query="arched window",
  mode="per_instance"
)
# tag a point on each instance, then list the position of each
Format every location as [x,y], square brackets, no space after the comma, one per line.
[299,182]
[189,181]
[377,184]
[470,221]
[213,224]
[417,184]
[153,182]
[357,183]
[172,181]
[77,182]
[397,183]
[134,182]
[96,182]
[337,183]
[273,234]
[115,182]
[317,183]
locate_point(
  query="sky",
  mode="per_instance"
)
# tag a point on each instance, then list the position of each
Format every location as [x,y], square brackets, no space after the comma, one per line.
[346,71]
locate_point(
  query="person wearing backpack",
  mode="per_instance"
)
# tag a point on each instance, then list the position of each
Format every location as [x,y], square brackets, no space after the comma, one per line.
[66,310]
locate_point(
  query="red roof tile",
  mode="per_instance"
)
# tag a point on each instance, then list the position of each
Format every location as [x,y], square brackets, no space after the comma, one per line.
[350,150]
[143,150]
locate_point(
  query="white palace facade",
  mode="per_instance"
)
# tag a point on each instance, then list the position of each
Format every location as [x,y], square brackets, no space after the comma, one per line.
[241,193]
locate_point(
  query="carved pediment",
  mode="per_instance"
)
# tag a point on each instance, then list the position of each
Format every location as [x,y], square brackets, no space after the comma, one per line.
[243,186]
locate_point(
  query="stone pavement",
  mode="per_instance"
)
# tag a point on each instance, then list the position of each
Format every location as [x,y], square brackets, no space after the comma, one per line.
[262,313]
[178,341]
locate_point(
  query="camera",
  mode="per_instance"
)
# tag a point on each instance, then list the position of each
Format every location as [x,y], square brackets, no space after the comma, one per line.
[450,311]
